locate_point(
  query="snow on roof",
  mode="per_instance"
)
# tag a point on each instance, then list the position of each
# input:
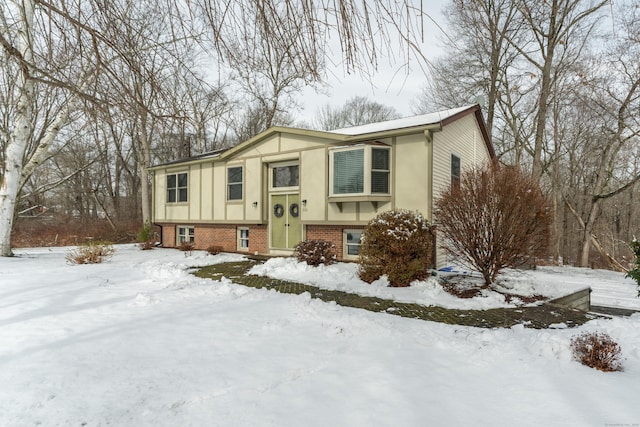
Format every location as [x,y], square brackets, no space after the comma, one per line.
[406,122]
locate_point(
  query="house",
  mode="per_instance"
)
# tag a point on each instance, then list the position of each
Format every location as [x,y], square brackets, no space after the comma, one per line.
[285,185]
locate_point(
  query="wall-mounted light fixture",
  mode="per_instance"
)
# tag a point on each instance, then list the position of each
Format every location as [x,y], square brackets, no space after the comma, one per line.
[255,204]
[304,202]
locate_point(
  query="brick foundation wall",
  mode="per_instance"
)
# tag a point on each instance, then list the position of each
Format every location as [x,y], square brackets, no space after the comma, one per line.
[223,235]
[226,236]
[330,233]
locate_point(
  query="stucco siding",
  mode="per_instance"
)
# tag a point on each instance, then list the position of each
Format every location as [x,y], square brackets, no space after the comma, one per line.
[253,191]
[411,173]
[313,184]
[219,191]
[206,191]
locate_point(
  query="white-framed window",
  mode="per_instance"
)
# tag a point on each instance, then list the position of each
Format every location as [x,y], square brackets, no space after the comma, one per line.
[455,172]
[177,187]
[380,170]
[351,243]
[185,233]
[361,170]
[243,239]
[234,183]
[285,176]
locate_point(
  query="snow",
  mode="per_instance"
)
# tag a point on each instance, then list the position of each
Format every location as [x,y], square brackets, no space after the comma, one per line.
[609,288]
[405,122]
[138,341]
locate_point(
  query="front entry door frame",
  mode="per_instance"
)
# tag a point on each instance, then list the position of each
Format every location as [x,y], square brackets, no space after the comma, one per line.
[286,230]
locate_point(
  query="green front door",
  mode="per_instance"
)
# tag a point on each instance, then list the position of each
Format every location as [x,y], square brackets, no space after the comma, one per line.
[286,230]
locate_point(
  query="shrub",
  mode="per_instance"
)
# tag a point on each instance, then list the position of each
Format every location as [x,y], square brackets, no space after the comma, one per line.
[315,252]
[497,218]
[91,254]
[596,350]
[187,247]
[147,245]
[146,233]
[214,250]
[635,273]
[397,243]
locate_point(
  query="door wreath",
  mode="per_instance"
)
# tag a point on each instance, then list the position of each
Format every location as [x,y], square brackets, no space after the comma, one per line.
[294,210]
[278,210]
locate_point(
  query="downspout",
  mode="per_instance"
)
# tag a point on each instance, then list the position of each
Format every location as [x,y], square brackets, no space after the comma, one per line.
[152,174]
[428,134]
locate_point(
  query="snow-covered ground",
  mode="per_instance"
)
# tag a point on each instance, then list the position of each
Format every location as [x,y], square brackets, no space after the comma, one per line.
[138,341]
[608,288]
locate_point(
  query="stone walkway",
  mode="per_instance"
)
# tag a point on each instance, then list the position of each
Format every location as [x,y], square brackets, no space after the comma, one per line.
[539,317]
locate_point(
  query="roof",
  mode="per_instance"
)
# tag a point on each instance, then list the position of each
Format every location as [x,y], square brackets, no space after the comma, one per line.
[370,132]
[406,122]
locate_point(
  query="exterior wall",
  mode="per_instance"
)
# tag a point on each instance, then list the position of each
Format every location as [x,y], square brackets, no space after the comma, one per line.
[330,233]
[464,139]
[411,186]
[420,169]
[223,235]
[314,166]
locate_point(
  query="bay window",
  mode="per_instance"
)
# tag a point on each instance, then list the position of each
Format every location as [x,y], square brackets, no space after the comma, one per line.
[361,170]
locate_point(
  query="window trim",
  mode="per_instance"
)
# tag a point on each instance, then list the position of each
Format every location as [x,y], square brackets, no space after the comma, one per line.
[241,183]
[346,244]
[368,171]
[279,165]
[177,188]
[240,239]
[190,232]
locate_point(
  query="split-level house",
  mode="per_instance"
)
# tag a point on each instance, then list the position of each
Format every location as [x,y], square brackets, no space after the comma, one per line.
[284,185]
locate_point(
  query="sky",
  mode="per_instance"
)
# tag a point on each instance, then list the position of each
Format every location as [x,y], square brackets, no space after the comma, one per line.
[394,84]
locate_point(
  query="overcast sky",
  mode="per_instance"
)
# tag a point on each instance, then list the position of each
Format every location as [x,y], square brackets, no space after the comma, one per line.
[391,85]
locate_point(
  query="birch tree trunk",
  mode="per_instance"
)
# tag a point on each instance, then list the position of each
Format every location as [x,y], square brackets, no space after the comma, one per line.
[21,133]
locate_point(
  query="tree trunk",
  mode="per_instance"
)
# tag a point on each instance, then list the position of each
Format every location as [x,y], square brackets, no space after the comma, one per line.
[19,138]
[588,232]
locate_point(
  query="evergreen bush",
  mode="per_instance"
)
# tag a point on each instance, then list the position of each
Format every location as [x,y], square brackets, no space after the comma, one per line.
[398,243]
[635,273]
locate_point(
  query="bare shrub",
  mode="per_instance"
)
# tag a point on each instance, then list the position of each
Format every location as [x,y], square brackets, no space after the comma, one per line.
[597,350]
[187,247]
[90,254]
[147,245]
[214,250]
[315,252]
[397,243]
[497,218]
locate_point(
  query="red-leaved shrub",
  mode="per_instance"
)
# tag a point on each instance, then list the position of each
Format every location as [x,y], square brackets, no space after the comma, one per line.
[315,252]
[214,250]
[497,218]
[597,350]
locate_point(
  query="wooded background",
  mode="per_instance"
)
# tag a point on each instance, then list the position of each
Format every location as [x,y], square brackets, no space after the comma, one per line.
[93,92]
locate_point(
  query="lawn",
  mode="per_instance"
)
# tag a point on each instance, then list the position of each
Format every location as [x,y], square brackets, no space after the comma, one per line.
[139,341]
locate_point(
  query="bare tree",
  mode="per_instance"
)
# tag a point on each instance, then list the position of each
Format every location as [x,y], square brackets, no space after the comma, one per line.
[497,218]
[558,32]
[358,110]
[80,48]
